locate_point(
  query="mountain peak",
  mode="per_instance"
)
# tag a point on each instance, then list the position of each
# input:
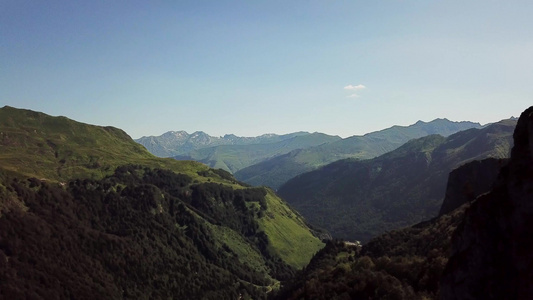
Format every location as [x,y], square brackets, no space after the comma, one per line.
[180,133]
[523,137]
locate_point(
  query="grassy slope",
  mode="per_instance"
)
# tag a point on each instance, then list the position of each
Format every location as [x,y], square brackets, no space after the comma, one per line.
[247,254]
[287,234]
[57,148]
[34,144]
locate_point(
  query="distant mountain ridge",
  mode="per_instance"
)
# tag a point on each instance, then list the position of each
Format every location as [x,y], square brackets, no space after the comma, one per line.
[174,143]
[276,171]
[236,157]
[272,159]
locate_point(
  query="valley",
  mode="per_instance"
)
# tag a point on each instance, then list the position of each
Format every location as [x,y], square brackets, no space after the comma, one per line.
[140,226]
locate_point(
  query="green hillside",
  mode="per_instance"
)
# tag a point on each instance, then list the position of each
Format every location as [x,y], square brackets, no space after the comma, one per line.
[123,215]
[57,148]
[288,232]
[276,171]
[359,199]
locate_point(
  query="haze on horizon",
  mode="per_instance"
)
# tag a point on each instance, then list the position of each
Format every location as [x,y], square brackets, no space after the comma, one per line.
[249,68]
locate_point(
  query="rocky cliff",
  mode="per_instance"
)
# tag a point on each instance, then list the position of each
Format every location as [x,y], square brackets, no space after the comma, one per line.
[492,250]
[469,181]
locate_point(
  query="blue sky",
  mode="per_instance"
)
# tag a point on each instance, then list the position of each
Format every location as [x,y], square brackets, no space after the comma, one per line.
[252,67]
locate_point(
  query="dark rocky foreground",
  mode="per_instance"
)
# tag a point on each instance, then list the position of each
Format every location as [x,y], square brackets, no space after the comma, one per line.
[492,250]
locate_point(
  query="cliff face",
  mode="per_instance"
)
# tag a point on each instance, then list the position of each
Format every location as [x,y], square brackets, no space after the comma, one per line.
[492,250]
[469,181]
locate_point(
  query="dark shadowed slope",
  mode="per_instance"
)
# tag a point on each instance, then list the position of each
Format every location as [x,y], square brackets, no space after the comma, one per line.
[492,253]
[469,181]
[401,264]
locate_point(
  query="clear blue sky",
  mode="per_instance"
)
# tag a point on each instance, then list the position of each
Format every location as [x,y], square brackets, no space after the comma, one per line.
[254,67]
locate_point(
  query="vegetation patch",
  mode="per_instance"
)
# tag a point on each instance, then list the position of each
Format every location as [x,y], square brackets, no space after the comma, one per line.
[285,232]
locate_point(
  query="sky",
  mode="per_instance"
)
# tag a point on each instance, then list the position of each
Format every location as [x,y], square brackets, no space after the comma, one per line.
[254,67]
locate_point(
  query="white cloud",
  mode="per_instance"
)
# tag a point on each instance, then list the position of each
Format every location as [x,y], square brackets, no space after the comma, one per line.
[353,96]
[355,87]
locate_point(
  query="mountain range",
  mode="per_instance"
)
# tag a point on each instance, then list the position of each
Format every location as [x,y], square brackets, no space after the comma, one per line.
[235,157]
[271,159]
[174,143]
[278,170]
[359,199]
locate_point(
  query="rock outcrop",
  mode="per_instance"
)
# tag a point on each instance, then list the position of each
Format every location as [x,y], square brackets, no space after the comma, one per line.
[469,181]
[492,250]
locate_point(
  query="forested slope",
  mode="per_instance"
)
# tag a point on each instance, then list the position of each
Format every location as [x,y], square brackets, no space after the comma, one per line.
[93,215]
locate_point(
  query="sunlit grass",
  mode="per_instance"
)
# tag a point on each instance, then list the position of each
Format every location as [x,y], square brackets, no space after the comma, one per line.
[288,234]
